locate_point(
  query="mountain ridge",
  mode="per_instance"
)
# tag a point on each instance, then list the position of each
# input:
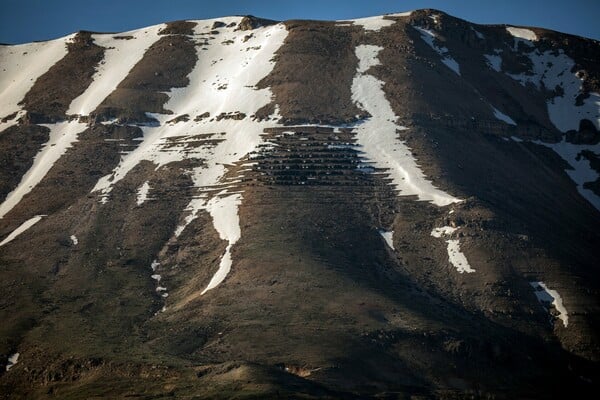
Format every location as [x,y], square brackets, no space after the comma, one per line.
[308,208]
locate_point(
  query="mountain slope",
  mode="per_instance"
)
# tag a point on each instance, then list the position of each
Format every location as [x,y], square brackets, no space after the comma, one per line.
[404,205]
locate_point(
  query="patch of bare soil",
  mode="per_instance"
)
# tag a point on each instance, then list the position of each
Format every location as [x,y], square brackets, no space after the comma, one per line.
[18,146]
[312,77]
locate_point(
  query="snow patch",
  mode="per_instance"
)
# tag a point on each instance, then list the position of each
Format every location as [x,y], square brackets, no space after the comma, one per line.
[74,240]
[522,33]
[12,360]
[62,136]
[22,228]
[142,193]
[517,139]
[435,18]
[224,212]
[373,23]
[161,290]
[120,56]
[503,117]
[494,61]
[428,37]
[443,231]
[547,297]
[388,237]
[477,33]
[377,136]
[455,255]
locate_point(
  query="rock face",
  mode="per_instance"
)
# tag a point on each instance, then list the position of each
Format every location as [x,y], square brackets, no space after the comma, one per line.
[392,207]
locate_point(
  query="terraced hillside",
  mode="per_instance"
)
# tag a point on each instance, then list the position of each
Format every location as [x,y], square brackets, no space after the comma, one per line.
[402,206]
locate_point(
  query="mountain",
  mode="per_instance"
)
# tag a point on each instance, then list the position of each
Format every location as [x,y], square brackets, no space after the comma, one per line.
[403,206]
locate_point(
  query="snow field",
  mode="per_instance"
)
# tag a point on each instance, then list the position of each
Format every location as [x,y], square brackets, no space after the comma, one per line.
[222,81]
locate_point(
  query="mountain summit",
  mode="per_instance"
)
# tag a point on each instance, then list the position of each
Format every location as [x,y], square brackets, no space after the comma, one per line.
[402,206]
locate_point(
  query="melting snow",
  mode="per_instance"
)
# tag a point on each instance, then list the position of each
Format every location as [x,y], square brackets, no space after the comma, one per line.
[12,360]
[582,171]
[120,56]
[429,36]
[503,117]
[455,256]
[22,228]
[62,136]
[20,67]
[74,240]
[548,296]
[388,236]
[142,193]
[377,135]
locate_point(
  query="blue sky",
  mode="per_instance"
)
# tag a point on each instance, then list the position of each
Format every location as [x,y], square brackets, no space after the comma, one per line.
[28,20]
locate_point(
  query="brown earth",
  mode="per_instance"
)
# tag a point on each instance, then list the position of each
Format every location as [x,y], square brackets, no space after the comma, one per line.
[313,75]
[316,305]
[20,144]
